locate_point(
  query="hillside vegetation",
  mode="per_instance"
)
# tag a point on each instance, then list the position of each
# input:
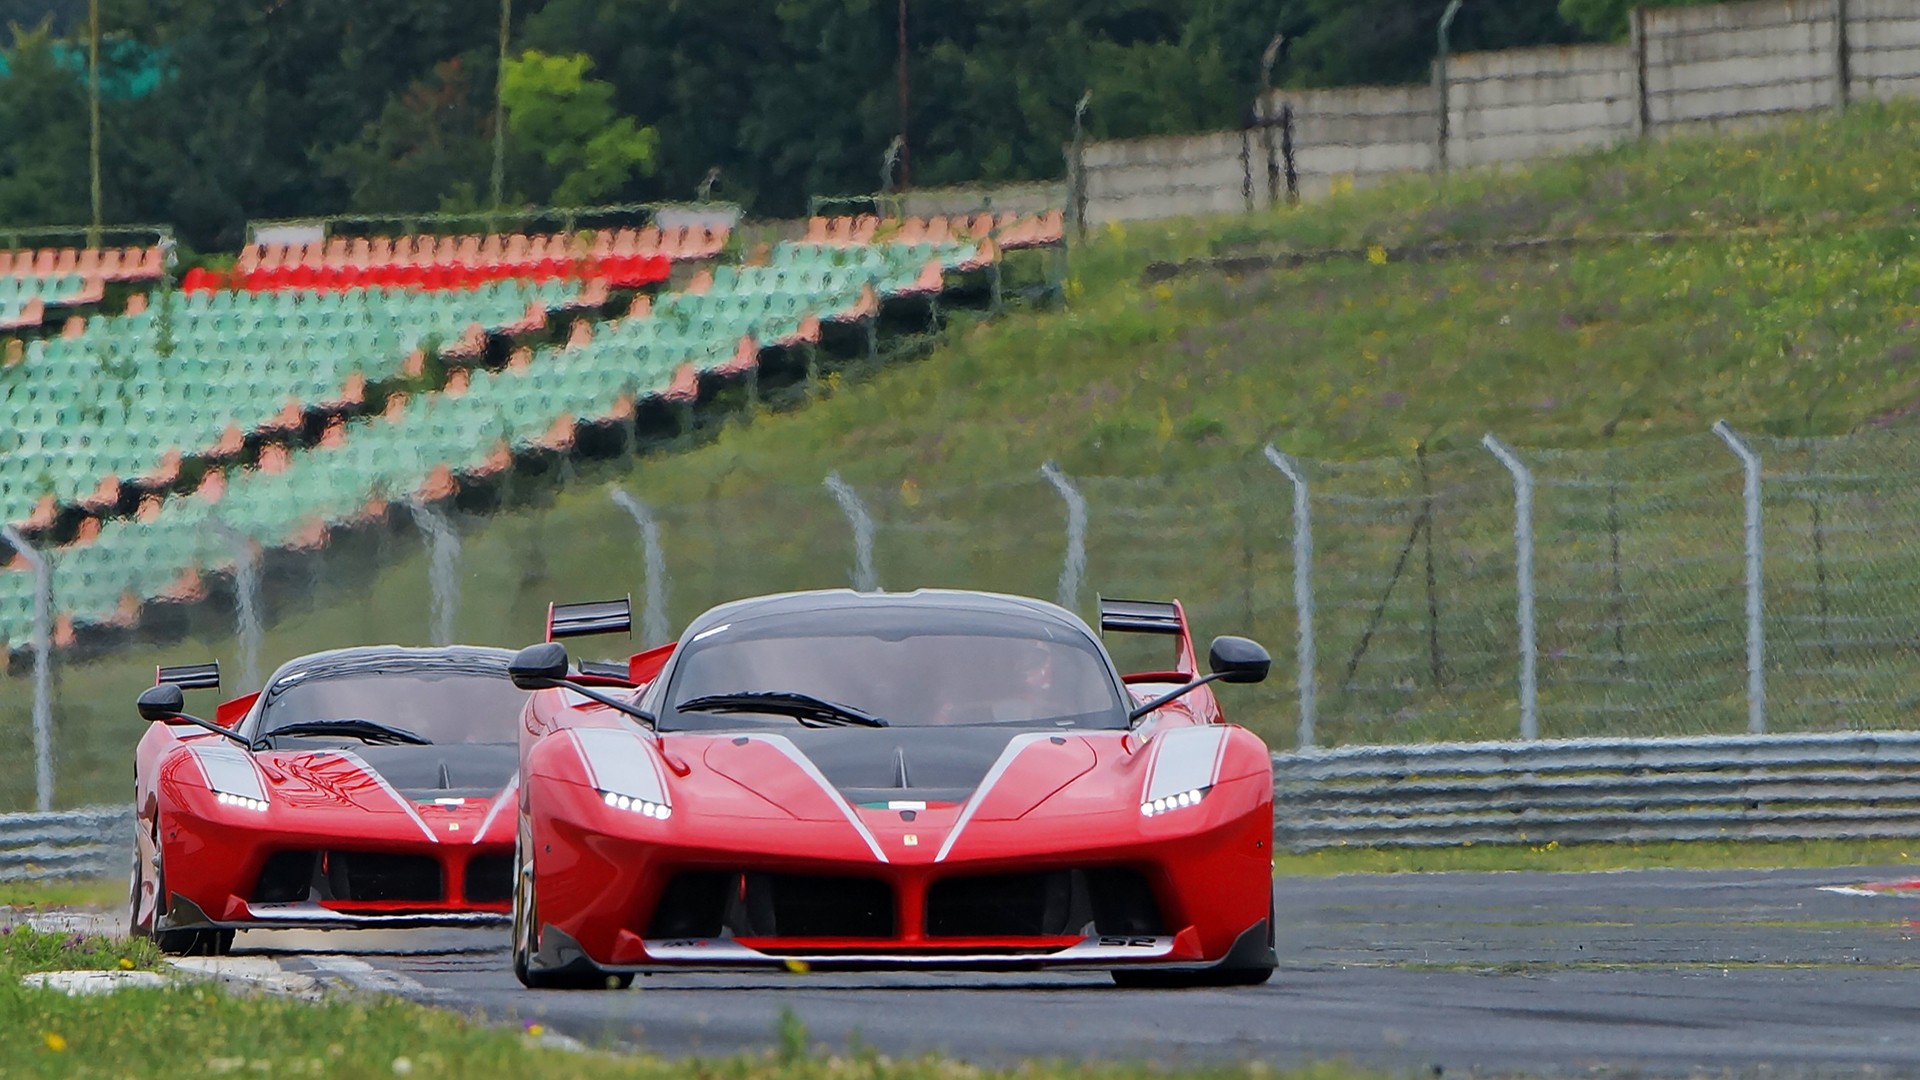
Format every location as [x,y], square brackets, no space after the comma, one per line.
[1779,293]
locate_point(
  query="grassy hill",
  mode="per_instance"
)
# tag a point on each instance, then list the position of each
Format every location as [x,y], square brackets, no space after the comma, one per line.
[1768,279]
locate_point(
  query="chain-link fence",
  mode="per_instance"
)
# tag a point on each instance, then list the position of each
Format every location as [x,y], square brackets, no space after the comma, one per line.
[1413,600]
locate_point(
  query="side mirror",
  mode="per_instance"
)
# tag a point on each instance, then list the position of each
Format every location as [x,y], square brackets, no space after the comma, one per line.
[1238,660]
[538,667]
[163,702]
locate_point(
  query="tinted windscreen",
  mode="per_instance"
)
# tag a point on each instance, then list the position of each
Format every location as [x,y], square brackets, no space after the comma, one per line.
[1029,672]
[446,707]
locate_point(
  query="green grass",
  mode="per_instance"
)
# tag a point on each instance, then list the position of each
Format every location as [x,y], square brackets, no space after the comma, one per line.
[24,950]
[1788,308]
[196,1029]
[1586,858]
[99,894]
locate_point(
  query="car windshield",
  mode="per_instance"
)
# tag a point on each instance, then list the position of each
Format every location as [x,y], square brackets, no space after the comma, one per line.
[442,707]
[902,667]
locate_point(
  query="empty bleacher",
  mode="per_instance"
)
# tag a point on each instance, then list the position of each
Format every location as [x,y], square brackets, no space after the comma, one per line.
[34,282]
[103,405]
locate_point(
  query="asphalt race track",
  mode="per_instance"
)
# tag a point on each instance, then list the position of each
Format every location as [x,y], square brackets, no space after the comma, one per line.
[1662,972]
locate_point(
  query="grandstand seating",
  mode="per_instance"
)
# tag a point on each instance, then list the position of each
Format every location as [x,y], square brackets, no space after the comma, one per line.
[246,360]
[417,447]
[32,282]
[82,413]
[626,258]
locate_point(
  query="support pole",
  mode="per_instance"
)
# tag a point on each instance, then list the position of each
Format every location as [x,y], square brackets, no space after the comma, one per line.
[864,579]
[1302,589]
[1074,568]
[1523,573]
[499,180]
[653,617]
[1756,632]
[42,671]
[93,118]
[443,567]
[1440,84]
[246,586]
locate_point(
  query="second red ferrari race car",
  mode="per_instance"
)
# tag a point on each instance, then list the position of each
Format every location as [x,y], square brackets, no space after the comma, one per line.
[362,787]
[841,780]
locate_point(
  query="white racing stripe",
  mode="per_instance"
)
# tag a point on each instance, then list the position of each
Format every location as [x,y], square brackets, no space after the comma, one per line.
[1185,759]
[619,762]
[1014,746]
[782,744]
[506,799]
[229,770]
[399,800]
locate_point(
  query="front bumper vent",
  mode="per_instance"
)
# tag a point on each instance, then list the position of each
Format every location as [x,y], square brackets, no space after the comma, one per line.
[716,903]
[1048,903]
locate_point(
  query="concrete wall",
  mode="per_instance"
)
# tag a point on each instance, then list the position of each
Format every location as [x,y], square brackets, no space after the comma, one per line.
[1522,103]
[1166,176]
[1883,48]
[1733,64]
[1004,198]
[1684,69]
[1358,135]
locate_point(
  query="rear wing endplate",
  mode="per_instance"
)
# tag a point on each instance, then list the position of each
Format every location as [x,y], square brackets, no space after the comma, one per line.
[190,676]
[1141,617]
[592,617]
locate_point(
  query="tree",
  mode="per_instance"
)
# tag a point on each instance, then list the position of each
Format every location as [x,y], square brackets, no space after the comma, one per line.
[43,156]
[570,120]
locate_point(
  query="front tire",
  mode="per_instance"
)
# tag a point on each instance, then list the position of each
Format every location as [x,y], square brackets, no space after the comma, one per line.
[578,975]
[209,941]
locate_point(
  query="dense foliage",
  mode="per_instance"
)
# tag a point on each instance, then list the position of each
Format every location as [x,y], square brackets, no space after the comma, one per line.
[280,109]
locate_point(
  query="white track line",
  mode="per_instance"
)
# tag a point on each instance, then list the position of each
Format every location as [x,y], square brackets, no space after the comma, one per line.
[364,976]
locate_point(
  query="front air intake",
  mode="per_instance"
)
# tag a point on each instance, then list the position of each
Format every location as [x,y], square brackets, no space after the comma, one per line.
[1048,903]
[718,903]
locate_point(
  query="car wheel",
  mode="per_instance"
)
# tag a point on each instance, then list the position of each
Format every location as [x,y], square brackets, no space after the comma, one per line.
[197,942]
[579,975]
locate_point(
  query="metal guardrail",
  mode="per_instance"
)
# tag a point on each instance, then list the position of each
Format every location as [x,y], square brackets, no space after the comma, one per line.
[1745,787]
[95,841]
[1740,787]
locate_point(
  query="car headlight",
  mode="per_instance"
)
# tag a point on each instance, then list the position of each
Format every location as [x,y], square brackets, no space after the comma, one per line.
[241,801]
[1180,801]
[643,807]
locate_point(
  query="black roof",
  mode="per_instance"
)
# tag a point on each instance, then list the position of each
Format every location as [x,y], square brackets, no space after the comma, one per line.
[371,659]
[932,602]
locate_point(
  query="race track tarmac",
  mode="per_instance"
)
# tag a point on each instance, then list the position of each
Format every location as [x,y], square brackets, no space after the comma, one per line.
[1646,972]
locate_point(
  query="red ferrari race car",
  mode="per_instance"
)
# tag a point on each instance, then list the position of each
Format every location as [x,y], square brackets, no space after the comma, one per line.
[362,787]
[857,781]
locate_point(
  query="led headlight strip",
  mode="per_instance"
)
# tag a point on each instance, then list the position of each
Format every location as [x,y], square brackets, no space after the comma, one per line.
[643,807]
[231,775]
[623,771]
[1186,763]
[1181,800]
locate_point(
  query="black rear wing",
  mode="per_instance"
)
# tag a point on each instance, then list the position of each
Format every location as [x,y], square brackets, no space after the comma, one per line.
[592,617]
[190,676]
[1141,617]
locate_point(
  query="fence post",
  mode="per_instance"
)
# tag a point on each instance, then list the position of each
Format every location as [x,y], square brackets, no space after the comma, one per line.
[42,675]
[246,587]
[1756,632]
[443,560]
[1077,167]
[1523,573]
[1442,122]
[653,618]
[864,579]
[1074,567]
[1302,590]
